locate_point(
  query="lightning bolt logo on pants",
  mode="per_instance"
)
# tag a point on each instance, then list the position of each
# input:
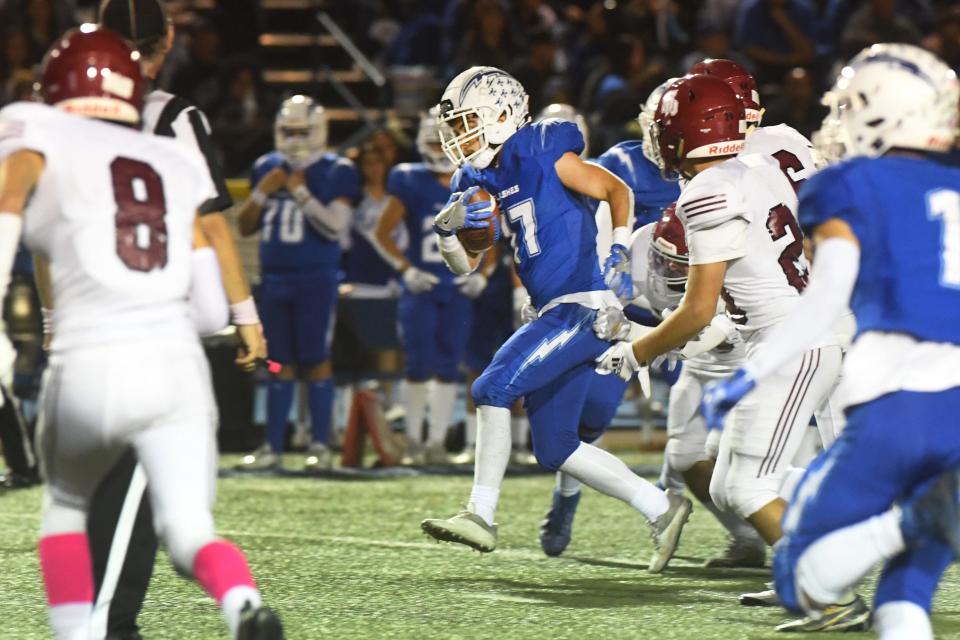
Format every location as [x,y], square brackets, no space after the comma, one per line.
[550,345]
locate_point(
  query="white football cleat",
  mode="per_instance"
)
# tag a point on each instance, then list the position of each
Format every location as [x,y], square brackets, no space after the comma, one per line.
[319,457]
[467,457]
[263,459]
[435,454]
[464,528]
[666,529]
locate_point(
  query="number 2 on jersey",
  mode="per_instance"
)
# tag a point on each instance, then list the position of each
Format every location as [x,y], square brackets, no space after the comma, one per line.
[780,221]
[945,204]
[141,206]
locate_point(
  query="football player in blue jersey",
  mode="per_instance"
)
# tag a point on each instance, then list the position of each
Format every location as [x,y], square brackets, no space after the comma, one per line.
[886,226]
[635,162]
[301,203]
[436,307]
[541,185]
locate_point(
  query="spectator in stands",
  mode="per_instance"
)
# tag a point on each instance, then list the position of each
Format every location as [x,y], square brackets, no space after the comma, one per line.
[532,17]
[877,21]
[945,40]
[418,42]
[713,41]
[15,62]
[719,14]
[198,80]
[42,21]
[796,103]
[777,35]
[487,39]
[242,120]
[539,66]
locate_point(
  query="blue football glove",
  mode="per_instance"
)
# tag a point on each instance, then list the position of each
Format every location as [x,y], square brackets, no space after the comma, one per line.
[478,217]
[719,397]
[617,274]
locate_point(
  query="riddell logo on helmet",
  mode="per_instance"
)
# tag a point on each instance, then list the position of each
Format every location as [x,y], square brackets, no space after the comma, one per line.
[726,148]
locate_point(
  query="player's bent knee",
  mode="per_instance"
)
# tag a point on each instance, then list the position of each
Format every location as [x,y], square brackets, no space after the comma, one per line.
[718,490]
[683,453]
[552,452]
[490,391]
[747,497]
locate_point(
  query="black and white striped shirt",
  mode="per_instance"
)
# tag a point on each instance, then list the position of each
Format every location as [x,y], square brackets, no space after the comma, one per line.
[168,115]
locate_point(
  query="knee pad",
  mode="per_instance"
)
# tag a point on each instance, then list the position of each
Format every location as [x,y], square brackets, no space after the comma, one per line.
[902,620]
[551,453]
[683,452]
[718,490]
[489,389]
[184,534]
[744,491]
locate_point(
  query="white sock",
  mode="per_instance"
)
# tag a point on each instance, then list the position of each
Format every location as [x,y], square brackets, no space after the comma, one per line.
[835,563]
[470,435]
[567,485]
[70,621]
[608,474]
[519,427]
[902,620]
[442,396]
[233,603]
[415,402]
[493,454]
[736,526]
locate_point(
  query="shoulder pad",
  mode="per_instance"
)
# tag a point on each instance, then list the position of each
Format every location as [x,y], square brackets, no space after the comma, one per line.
[712,198]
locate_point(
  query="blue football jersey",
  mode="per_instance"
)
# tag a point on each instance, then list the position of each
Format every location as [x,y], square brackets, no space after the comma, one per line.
[288,243]
[906,214]
[421,193]
[651,193]
[554,233]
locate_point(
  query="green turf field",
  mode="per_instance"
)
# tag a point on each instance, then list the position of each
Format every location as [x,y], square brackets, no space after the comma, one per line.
[346,559]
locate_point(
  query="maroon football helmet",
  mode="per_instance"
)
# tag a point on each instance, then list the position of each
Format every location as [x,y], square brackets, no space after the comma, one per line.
[739,80]
[93,72]
[698,117]
[667,261]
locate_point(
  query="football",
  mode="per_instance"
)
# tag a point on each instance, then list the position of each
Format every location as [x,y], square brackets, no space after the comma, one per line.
[479,240]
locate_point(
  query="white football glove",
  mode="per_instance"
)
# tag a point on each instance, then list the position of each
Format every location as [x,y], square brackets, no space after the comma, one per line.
[471,284]
[528,312]
[721,329]
[418,281]
[712,445]
[520,301]
[453,216]
[619,360]
[611,324]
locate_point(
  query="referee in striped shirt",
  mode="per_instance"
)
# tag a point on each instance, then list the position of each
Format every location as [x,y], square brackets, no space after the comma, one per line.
[120,527]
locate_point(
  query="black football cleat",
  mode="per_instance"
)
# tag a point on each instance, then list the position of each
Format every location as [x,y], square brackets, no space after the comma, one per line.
[259,624]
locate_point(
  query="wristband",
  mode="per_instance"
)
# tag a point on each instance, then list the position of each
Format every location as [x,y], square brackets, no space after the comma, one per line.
[258,197]
[443,233]
[621,236]
[244,313]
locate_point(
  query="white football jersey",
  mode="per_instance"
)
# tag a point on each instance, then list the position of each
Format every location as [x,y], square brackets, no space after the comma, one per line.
[113,214]
[716,363]
[794,153]
[743,212]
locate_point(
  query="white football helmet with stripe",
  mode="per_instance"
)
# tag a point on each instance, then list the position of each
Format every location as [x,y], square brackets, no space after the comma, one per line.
[300,129]
[890,96]
[480,109]
[647,111]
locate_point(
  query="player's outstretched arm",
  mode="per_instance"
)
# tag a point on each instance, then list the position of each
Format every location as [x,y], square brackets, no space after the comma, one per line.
[417,280]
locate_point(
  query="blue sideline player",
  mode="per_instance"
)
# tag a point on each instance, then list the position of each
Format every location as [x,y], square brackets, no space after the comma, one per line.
[435,311]
[301,203]
[538,179]
[886,224]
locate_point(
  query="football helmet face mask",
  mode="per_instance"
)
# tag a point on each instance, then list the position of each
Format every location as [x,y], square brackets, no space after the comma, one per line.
[647,112]
[429,144]
[300,129]
[740,80]
[667,262]
[697,117]
[93,72]
[480,109]
[890,96]
[568,113]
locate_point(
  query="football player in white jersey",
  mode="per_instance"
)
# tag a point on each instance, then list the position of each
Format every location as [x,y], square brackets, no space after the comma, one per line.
[93,196]
[746,247]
